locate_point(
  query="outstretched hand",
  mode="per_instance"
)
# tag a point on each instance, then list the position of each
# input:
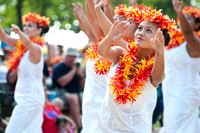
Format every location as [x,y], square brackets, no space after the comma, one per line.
[100,3]
[78,10]
[133,2]
[15,28]
[117,29]
[178,6]
[158,42]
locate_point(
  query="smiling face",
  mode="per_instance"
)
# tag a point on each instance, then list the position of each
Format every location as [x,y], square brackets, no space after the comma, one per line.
[31,29]
[144,33]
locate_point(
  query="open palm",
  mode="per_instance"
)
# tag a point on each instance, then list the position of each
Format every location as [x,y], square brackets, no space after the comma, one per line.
[178,6]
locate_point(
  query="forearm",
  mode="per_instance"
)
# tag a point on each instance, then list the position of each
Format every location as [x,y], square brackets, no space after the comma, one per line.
[157,73]
[104,22]
[104,47]
[67,78]
[109,11]
[96,29]
[185,25]
[85,27]
[7,39]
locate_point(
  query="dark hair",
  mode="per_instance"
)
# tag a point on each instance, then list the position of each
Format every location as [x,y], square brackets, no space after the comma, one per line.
[166,36]
[60,119]
[44,29]
[197,20]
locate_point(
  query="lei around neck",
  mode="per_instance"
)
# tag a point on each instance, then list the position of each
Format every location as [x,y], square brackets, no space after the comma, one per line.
[130,76]
[17,54]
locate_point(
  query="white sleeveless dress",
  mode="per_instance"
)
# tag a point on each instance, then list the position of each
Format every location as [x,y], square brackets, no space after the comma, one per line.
[181,91]
[94,92]
[129,118]
[27,116]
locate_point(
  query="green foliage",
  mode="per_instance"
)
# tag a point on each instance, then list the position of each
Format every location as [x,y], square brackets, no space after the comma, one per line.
[62,10]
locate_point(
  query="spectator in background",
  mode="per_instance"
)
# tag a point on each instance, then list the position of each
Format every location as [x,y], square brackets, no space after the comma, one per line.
[50,115]
[68,77]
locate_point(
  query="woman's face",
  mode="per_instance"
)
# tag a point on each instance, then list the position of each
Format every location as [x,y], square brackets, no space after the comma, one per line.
[31,29]
[144,33]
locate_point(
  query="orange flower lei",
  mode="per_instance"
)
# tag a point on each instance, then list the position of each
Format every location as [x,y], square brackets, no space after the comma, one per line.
[177,38]
[130,66]
[36,18]
[191,11]
[18,53]
[101,66]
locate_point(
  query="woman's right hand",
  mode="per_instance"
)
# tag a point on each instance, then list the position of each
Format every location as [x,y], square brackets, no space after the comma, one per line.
[15,28]
[100,3]
[116,30]
[178,6]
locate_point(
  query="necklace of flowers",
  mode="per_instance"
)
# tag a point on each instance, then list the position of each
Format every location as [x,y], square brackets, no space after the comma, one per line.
[101,66]
[17,54]
[177,38]
[130,75]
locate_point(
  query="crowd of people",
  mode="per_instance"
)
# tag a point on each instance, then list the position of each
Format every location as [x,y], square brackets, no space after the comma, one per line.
[139,65]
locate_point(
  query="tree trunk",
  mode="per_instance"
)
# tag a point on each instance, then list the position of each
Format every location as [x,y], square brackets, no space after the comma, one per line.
[19,13]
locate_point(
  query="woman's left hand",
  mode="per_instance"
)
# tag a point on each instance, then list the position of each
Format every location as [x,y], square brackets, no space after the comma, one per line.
[15,28]
[158,42]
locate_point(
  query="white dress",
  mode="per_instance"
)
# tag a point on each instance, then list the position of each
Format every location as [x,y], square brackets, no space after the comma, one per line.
[94,92]
[181,91]
[129,118]
[27,116]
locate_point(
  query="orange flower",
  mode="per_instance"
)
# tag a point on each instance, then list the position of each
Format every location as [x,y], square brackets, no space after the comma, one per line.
[36,18]
[18,53]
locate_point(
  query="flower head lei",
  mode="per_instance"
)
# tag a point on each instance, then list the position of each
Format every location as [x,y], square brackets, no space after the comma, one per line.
[121,10]
[36,18]
[177,37]
[191,11]
[131,74]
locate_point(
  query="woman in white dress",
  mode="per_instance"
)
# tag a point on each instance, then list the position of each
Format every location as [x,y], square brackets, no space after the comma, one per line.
[136,72]
[27,116]
[181,87]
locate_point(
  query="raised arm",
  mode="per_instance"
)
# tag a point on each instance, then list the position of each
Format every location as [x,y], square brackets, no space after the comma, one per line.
[157,73]
[193,42]
[92,19]
[104,22]
[83,22]
[104,48]
[6,38]
[35,52]
[109,11]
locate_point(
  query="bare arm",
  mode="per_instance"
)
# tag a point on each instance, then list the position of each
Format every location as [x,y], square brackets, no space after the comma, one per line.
[83,22]
[67,78]
[6,38]
[70,121]
[96,29]
[193,42]
[157,73]
[35,52]
[109,11]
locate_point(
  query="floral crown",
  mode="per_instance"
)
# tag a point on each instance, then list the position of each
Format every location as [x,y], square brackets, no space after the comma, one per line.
[134,12]
[191,11]
[121,10]
[36,18]
[158,18]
